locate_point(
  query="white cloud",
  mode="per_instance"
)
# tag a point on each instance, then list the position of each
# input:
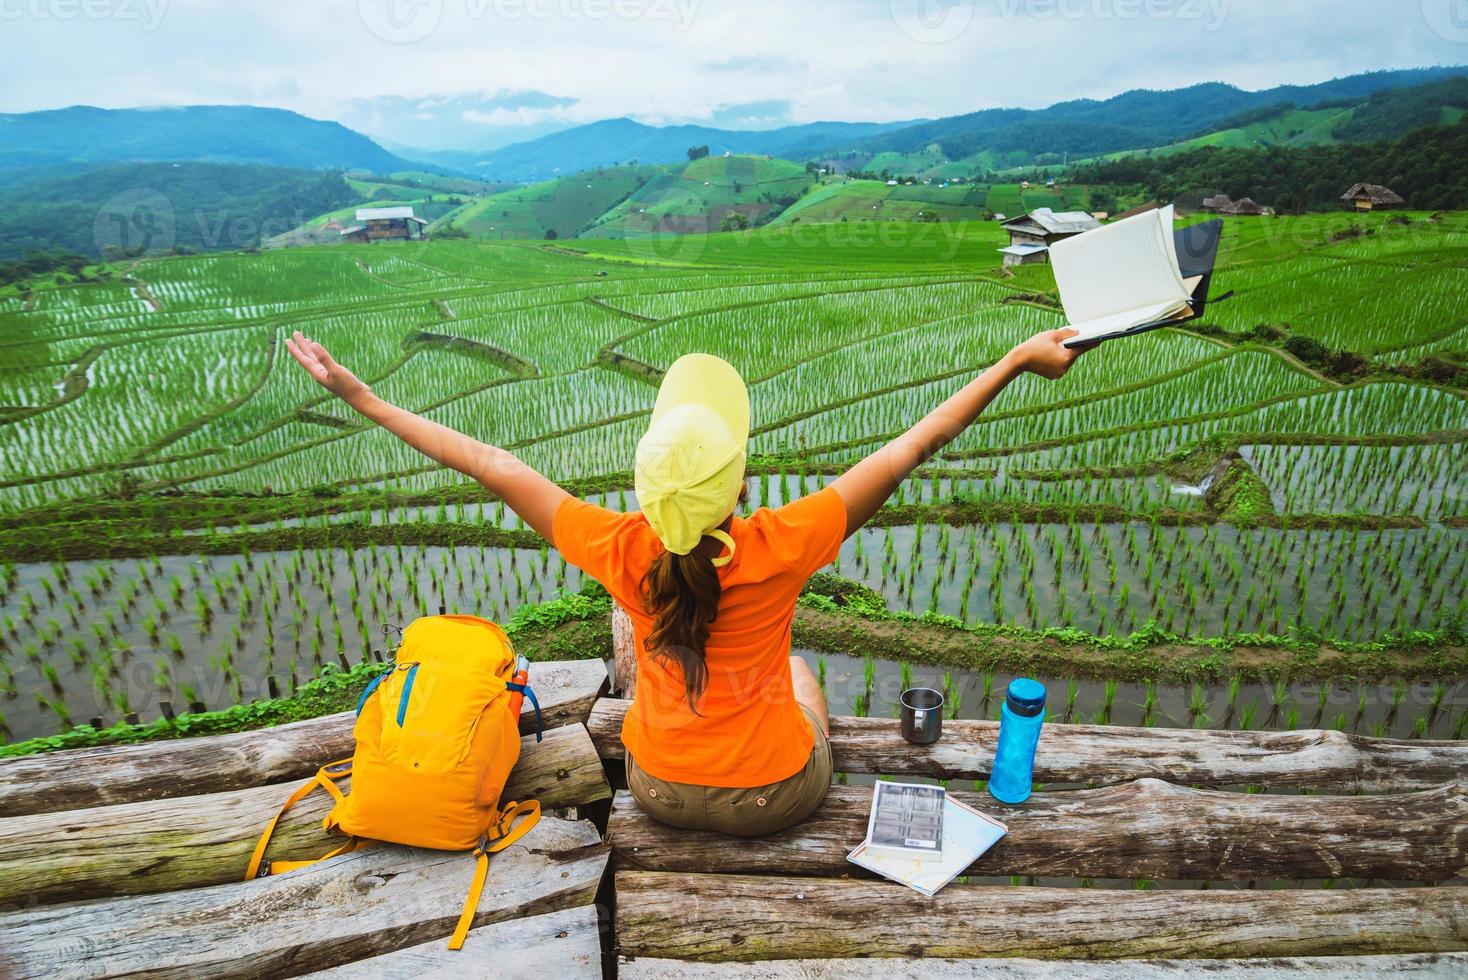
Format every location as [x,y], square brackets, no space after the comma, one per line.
[520,116]
[690,59]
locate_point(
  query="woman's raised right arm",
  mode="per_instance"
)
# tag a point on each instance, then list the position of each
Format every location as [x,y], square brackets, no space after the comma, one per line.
[866,486]
[529,494]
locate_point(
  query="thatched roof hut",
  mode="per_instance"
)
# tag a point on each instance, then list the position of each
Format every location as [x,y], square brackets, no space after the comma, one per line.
[1371,197]
[1223,204]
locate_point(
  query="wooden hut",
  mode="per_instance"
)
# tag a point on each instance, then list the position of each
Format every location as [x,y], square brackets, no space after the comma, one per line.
[1372,197]
[385,224]
[1031,236]
[1223,204]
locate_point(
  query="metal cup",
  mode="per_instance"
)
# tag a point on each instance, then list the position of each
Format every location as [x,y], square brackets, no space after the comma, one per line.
[922,715]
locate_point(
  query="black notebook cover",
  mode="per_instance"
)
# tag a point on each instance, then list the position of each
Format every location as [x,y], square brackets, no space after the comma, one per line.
[1197,253]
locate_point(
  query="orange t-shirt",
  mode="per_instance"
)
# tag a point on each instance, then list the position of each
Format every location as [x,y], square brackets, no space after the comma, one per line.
[749,730]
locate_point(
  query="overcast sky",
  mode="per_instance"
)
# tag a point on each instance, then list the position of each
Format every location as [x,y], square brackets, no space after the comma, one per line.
[478,73]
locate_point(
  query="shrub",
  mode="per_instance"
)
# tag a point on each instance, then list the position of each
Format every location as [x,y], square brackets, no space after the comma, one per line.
[1307,349]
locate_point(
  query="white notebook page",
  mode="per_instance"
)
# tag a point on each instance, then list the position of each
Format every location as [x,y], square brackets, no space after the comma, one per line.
[1118,270]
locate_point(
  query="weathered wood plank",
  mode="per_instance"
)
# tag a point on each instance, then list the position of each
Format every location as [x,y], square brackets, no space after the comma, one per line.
[1418,966]
[78,778]
[745,917]
[191,841]
[1105,754]
[624,654]
[556,945]
[358,905]
[1143,829]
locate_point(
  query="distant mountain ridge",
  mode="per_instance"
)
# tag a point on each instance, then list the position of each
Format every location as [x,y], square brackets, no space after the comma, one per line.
[62,140]
[217,134]
[612,141]
[1136,119]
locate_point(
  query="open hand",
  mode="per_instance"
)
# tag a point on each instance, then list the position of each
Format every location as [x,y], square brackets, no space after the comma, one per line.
[1045,355]
[329,374]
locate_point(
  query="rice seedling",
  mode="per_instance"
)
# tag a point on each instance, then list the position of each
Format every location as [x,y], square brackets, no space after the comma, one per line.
[1108,698]
[819,348]
[1072,691]
[1198,706]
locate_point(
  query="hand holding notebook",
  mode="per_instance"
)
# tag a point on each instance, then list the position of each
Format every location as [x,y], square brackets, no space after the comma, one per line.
[1134,275]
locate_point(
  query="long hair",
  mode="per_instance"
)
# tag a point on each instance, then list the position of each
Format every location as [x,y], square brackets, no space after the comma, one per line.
[681,592]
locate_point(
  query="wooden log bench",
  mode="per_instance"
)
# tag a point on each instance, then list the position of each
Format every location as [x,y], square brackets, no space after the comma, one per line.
[1100,755]
[371,902]
[1419,966]
[1143,829]
[564,945]
[694,904]
[151,883]
[143,880]
[81,778]
[763,917]
[192,841]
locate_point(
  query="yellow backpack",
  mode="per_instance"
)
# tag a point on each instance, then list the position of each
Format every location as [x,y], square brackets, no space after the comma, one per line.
[437,736]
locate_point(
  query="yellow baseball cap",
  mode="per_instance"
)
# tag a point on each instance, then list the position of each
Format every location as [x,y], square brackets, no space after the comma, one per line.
[690,462]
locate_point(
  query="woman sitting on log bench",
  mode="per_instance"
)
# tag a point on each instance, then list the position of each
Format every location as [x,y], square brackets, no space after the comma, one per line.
[727,731]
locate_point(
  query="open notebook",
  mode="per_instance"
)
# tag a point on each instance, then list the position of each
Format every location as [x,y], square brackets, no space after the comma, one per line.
[1134,275]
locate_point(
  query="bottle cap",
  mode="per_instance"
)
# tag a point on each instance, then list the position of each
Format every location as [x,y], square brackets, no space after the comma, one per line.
[1025,697]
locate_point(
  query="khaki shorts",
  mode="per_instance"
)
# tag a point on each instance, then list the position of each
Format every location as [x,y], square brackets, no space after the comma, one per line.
[740,811]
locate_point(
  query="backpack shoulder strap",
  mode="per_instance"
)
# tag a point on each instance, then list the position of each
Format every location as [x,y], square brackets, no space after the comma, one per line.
[325,778]
[514,821]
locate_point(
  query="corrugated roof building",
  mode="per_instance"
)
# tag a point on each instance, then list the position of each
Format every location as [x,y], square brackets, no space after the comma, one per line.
[382,224]
[1031,236]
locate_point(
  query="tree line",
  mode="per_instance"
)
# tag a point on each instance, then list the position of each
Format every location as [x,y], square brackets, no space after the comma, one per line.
[1427,167]
[163,206]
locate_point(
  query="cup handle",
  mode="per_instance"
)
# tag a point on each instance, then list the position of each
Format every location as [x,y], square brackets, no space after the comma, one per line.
[919,715]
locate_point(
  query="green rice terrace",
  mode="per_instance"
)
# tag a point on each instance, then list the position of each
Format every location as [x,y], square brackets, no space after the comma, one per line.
[1258,522]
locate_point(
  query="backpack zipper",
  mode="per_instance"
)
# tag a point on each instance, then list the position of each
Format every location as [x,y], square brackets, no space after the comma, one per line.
[362,701]
[407,691]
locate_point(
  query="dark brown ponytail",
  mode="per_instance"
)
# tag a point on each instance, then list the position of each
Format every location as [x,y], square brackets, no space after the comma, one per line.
[682,594]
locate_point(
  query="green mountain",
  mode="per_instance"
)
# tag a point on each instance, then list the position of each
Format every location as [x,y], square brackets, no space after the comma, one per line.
[697,197]
[1140,118]
[1428,167]
[134,207]
[1385,115]
[557,208]
[979,142]
[613,141]
[1392,113]
[221,134]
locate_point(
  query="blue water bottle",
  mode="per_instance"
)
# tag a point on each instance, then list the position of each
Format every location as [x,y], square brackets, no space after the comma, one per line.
[1019,733]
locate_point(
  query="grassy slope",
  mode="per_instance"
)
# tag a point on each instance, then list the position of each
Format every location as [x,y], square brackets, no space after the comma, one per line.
[564,205]
[694,197]
[858,200]
[808,248]
[1296,127]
